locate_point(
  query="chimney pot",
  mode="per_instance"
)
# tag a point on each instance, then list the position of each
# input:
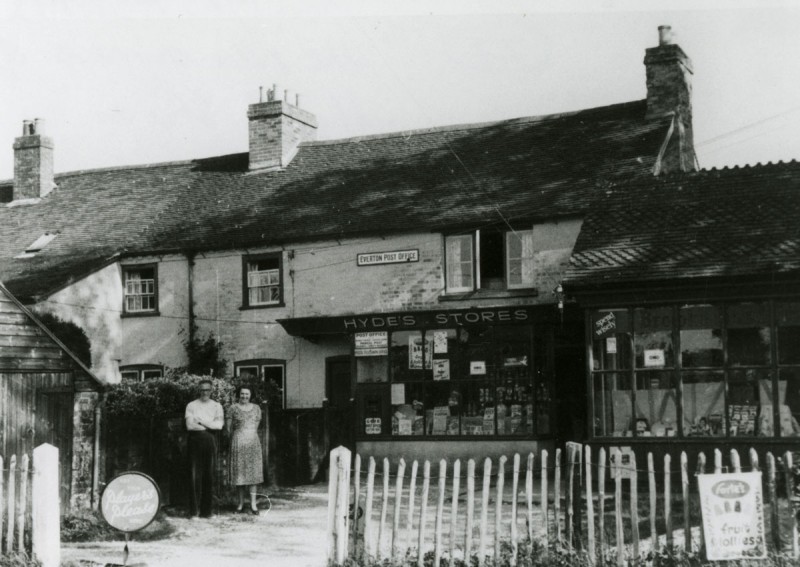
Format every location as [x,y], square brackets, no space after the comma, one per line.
[38,126]
[664,35]
[27,127]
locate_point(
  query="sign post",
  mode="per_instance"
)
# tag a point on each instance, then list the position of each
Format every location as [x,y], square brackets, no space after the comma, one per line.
[129,503]
[732,506]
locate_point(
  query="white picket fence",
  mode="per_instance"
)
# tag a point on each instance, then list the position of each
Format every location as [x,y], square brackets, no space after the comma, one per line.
[29,505]
[572,506]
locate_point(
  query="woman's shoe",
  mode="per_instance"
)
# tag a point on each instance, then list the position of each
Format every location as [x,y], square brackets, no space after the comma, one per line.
[254,512]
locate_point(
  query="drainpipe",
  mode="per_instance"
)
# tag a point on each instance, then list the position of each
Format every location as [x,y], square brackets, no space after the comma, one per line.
[190,255]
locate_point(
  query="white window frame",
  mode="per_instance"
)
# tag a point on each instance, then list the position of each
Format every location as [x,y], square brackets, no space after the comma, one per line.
[525,259]
[139,295]
[257,280]
[454,267]
[140,372]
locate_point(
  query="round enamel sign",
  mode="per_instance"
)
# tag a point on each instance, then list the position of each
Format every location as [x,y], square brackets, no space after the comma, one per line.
[130,501]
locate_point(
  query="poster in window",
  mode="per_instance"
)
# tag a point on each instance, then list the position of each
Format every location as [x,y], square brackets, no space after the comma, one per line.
[373,343]
[404,426]
[440,415]
[441,369]
[477,367]
[398,394]
[415,353]
[611,345]
[440,342]
[653,358]
[372,426]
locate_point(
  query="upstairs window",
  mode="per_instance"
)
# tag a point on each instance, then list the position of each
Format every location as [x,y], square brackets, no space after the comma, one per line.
[140,289]
[140,372]
[489,259]
[263,281]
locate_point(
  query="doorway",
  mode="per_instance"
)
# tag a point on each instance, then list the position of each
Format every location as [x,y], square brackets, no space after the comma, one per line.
[339,426]
[54,409]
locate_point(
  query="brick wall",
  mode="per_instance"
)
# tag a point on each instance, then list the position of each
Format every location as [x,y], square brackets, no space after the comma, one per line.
[83,450]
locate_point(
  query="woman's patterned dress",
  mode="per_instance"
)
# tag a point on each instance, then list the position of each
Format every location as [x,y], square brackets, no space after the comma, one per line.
[246,464]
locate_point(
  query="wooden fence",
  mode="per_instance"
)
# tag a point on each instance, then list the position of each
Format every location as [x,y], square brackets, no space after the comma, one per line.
[29,505]
[589,503]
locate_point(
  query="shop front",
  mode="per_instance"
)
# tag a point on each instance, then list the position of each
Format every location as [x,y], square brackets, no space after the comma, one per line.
[458,383]
[695,375]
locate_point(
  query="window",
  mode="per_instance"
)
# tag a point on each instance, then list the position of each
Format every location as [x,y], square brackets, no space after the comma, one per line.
[140,289]
[733,381]
[262,281]
[489,259]
[476,380]
[140,372]
[269,370]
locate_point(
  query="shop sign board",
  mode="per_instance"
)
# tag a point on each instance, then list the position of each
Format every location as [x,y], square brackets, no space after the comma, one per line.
[395,257]
[130,501]
[732,507]
[373,343]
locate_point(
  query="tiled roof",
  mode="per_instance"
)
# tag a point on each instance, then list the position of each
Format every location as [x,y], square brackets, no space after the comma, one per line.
[459,176]
[708,224]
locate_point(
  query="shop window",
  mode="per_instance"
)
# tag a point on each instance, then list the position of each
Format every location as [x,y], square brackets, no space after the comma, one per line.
[655,403]
[140,289]
[701,336]
[262,280]
[613,405]
[474,381]
[749,336]
[703,404]
[489,259]
[140,372]
[270,370]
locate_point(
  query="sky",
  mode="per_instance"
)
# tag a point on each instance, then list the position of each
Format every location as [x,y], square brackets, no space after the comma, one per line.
[127,83]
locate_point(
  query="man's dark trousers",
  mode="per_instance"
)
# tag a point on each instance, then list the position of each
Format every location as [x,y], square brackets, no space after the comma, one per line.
[202,456]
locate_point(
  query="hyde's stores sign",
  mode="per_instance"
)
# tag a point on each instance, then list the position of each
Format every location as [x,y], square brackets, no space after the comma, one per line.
[406,320]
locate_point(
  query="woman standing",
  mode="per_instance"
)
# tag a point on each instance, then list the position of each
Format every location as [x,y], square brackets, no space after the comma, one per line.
[246,464]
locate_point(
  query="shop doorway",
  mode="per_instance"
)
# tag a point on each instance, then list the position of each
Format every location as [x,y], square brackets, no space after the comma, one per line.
[339,392]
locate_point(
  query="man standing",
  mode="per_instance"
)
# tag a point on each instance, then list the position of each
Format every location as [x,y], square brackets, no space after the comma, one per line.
[203,416]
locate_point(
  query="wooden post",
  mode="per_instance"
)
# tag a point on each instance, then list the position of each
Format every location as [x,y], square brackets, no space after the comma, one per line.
[423,513]
[773,502]
[701,469]
[437,549]
[454,509]
[601,500]
[571,457]
[589,507]
[544,497]
[470,511]
[789,472]
[617,468]
[754,460]
[736,464]
[12,498]
[368,547]
[333,485]
[487,472]
[343,492]
[557,495]
[651,480]
[45,512]
[514,491]
[23,503]
[398,501]
[498,513]
[356,498]
[668,497]
[717,461]
[412,495]
[634,477]
[384,506]
[687,525]
[529,495]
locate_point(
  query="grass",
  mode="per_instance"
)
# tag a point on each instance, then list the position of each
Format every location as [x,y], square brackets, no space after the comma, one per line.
[90,526]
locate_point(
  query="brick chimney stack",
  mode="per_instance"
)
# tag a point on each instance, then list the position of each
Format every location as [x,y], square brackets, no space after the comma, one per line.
[669,92]
[33,162]
[276,129]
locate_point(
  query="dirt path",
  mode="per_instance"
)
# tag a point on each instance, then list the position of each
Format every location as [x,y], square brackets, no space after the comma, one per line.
[291,534]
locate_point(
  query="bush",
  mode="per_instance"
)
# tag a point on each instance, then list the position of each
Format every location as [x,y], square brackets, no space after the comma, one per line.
[18,559]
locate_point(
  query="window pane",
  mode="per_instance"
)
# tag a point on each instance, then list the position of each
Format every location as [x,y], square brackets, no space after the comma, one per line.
[406,352]
[701,336]
[703,404]
[790,410]
[477,400]
[788,322]
[372,369]
[151,374]
[249,371]
[611,340]
[613,405]
[408,418]
[652,337]
[749,334]
[750,403]
[443,416]
[130,375]
[519,258]
[459,258]
[656,405]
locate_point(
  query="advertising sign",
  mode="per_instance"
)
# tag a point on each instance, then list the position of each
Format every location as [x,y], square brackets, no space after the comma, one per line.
[374,343]
[130,501]
[732,506]
[396,257]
